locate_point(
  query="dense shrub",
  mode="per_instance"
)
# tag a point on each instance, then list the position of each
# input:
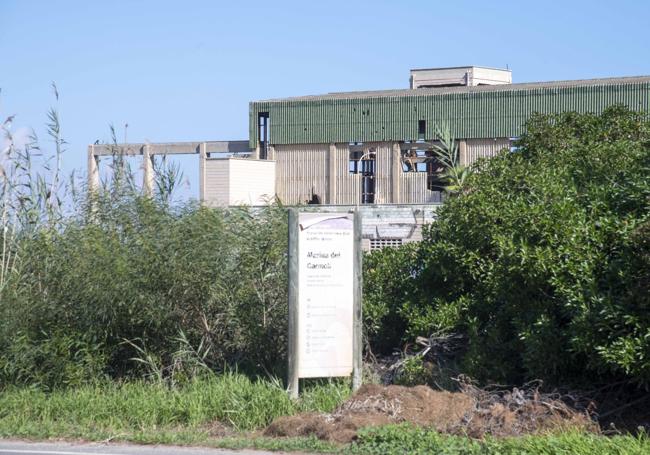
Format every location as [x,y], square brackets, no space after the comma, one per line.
[387,290]
[139,270]
[544,261]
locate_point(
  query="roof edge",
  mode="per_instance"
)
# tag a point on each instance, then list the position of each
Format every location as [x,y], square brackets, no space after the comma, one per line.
[624,80]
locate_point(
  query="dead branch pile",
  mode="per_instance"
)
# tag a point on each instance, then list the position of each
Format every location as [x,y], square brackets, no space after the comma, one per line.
[523,410]
[472,411]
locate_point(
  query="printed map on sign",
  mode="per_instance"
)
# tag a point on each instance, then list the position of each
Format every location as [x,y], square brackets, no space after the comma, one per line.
[326,299]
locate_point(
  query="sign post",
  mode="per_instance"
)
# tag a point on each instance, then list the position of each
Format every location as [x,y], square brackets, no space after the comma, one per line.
[325,288]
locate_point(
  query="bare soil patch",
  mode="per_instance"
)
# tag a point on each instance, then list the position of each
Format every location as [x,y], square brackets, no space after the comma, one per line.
[473,412]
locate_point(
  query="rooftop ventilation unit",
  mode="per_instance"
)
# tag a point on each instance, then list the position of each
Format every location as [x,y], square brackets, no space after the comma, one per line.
[459,76]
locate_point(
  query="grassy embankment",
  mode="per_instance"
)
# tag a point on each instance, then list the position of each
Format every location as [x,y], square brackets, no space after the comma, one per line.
[193,414]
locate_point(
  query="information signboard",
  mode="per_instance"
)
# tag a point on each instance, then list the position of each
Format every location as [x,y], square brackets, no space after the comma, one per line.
[326,299]
[324,296]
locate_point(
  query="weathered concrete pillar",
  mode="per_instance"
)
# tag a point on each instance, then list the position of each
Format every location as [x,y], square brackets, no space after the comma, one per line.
[396,174]
[256,152]
[147,171]
[331,174]
[203,156]
[93,169]
[271,155]
[462,153]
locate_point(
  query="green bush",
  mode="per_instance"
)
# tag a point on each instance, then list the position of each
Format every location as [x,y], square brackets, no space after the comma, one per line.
[544,261]
[387,288]
[140,270]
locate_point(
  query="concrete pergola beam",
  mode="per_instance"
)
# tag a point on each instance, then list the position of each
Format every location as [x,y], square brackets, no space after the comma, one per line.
[171,148]
[149,150]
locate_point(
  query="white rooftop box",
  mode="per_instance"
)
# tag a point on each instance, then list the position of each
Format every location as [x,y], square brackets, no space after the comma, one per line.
[460,75]
[239,181]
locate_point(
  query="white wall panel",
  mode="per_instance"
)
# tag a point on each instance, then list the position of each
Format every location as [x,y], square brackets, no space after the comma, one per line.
[216,183]
[238,181]
[252,182]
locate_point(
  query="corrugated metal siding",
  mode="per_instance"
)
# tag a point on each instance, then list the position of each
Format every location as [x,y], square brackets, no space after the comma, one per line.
[413,189]
[483,148]
[301,170]
[471,115]
[383,173]
[348,186]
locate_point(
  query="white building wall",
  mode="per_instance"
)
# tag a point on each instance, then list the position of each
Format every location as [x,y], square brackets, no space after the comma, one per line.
[490,76]
[217,191]
[252,182]
[238,181]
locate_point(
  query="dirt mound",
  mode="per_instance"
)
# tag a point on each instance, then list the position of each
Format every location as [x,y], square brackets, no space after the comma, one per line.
[471,412]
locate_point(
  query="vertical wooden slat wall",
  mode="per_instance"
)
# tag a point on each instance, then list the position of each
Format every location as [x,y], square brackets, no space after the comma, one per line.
[300,172]
[483,148]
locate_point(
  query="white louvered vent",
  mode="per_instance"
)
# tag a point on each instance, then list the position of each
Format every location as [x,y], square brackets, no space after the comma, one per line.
[378,244]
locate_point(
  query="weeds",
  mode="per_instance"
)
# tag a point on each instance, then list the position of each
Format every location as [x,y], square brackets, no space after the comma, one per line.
[399,439]
[113,408]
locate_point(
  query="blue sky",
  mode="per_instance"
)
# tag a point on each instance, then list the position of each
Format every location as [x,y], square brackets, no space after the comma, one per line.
[177,71]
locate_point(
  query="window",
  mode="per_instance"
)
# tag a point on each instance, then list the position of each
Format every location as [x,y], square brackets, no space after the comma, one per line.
[263,134]
[367,164]
[414,160]
[426,161]
[422,129]
[513,144]
[355,156]
[435,169]
[363,162]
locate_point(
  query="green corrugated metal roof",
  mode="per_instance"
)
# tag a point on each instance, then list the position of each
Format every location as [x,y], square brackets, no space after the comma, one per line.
[472,112]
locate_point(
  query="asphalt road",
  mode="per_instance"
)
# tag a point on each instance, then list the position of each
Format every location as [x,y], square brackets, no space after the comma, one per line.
[11,447]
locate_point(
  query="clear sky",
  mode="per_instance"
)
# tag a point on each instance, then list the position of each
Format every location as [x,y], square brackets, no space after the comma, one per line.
[186,70]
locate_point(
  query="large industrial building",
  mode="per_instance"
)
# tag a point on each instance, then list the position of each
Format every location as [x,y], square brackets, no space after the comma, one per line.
[375,147]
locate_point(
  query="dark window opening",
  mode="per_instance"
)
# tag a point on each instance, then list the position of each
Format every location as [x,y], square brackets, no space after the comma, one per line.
[425,161]
[414,160]
[354,162]
[367,164]
[263,134]
[514,144]
[435,170]
[422,129]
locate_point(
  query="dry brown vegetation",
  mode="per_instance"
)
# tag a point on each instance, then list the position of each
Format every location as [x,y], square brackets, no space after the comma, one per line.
[471,411]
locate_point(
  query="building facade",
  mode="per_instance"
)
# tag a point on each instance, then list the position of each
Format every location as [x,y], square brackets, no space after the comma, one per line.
[375,148]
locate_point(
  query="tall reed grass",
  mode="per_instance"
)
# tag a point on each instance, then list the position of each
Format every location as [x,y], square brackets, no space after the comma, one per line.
[92,284]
